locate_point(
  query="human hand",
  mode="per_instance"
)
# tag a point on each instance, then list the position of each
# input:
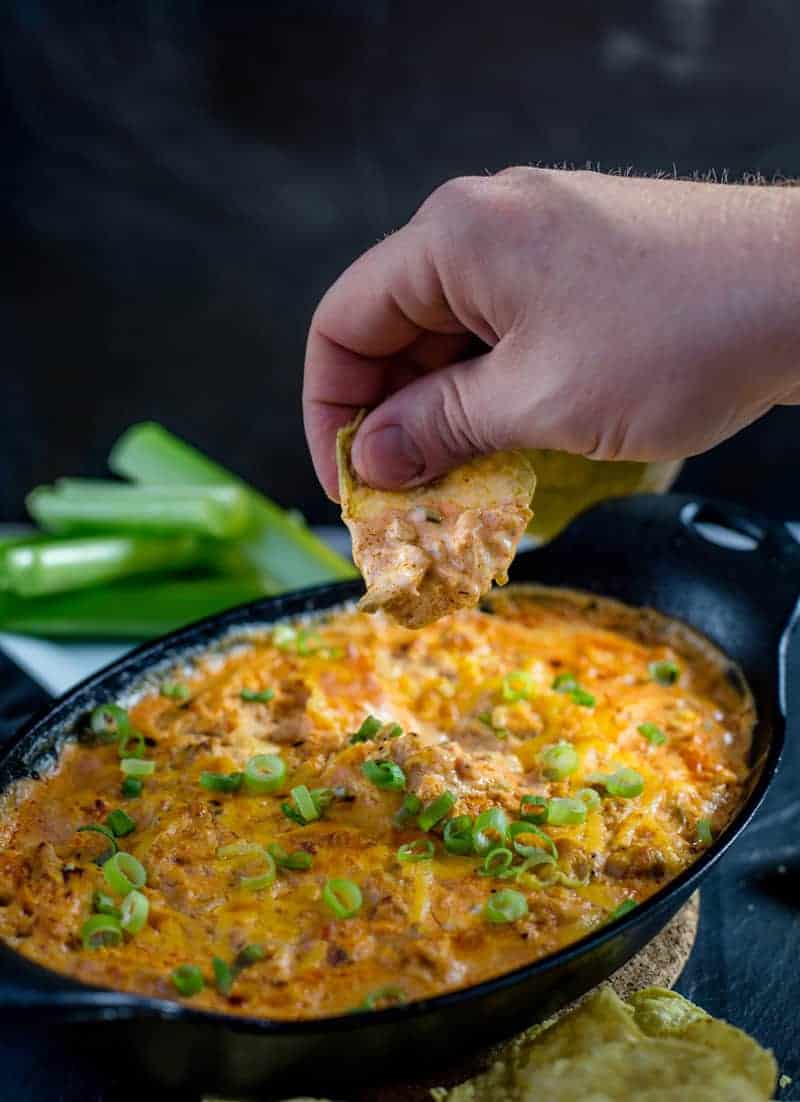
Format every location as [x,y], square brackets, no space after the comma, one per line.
[611,317]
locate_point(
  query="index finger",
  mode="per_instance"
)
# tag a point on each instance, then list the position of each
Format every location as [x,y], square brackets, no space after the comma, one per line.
[376,309]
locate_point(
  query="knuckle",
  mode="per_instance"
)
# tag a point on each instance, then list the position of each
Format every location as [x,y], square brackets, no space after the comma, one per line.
[451,422]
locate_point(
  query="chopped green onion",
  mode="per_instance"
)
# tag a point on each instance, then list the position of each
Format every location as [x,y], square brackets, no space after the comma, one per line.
[120,823]
[109,721]
[517,830]
[411,806]
[252,696]
[505,906]
[221,782]
[133,912]
[248,849]
[385,774]
[435,811]
[368,730]
[565,811]
[653,733]
[123,873]
[297,860]
[560,761]
[533,809]
[101,931]
[320,799]
[264,773]
[127,737]
[490,830]
[137,767]
[107,832]
[284,636]
[394,730]
[131,786]
[343,897]
[497,862]
[625,783]
[622,909]
[250,954]
[224,975]
[175,690]
[421,849]
[187,980]
[580,696]
[308,642]
[589,797]
[664,672]
[517,685]
[704,835]
[394,996]
[565,683]
[458,836]
[304,803]
[103,904]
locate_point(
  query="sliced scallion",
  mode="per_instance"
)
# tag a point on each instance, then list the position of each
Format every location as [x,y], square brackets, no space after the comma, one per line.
[560,761]
[134,911]
[187,980]
[653,733]
[421,849]
[264,773]
[435,811]
[176,690]
[490,830]
[123,873]
[262,696]
[120,823]
[497,863]
[101,931]
[664,672]
[565,811]
[221,782]
[384,774]
[137,767]
[343,897]
[703,832]
[457,836]
[517,685]
[505,906]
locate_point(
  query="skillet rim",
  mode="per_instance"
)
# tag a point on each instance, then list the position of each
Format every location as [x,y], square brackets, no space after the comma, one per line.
[83,1001]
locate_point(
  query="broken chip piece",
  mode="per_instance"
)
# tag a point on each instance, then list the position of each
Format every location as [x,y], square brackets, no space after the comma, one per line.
[427,551]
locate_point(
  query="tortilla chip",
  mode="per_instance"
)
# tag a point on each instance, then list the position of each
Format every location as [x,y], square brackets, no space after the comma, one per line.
[436,548]
[657,1048]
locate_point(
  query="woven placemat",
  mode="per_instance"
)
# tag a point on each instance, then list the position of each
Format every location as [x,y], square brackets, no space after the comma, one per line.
[659,964]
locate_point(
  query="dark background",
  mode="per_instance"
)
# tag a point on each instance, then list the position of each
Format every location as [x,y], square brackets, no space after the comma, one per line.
[183,180]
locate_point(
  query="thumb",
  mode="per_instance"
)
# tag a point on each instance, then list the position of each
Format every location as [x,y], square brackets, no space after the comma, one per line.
[439,421]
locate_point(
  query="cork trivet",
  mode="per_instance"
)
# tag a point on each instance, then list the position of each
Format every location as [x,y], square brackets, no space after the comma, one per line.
[659,964]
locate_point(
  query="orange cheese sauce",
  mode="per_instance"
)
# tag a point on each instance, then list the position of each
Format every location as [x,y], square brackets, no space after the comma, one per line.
[422,927]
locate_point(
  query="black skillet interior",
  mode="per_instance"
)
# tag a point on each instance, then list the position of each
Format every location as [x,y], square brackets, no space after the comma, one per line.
[656,551]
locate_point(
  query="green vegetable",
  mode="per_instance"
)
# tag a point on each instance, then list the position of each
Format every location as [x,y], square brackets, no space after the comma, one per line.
[421,849]
[109,722]
[457,836]
[565,683]
[78,506]
[280,546]
[297,860]
[565,811]
[250,954]
[368,730]
[224,975]
[137,767]
[343,897]
[304,802]
[580,696]
[589,798]
[176,690]
[131,786]
[524,849]
[187,980]
[664,673]
[101,931]
[221,782]
[490,830]
[394,996]
[107,832]
[46,567]
[384,774]
[264,773]
[533,809]
[120,823]
[622,909]
[625,783]
[560,761]
[133,912]
[653,733]
[262,697]
[252,849]
[123,873]
[103,904]
[435,811]
[505,906]
[703,831]
[124,748]
[517,685]
[497,862]
[411,806]
[132,609]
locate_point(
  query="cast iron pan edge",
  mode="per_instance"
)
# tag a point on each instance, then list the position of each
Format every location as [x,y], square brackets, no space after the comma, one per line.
[648,551]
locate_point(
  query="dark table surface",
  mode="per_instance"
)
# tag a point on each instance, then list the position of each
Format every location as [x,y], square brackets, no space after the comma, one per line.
[744,966]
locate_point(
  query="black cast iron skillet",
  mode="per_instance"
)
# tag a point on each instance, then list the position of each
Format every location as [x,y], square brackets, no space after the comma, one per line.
[645,551]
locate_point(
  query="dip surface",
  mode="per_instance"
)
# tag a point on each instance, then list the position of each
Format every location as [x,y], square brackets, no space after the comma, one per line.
[482,698]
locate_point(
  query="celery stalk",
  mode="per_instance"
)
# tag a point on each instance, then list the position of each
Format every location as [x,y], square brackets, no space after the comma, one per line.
[38,567]
[148,453]
[135,609]
[76,506]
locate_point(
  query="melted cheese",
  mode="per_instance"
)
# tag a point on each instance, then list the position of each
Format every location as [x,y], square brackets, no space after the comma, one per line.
[421,926]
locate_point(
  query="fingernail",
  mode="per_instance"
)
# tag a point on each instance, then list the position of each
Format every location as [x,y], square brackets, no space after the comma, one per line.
[388,457]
